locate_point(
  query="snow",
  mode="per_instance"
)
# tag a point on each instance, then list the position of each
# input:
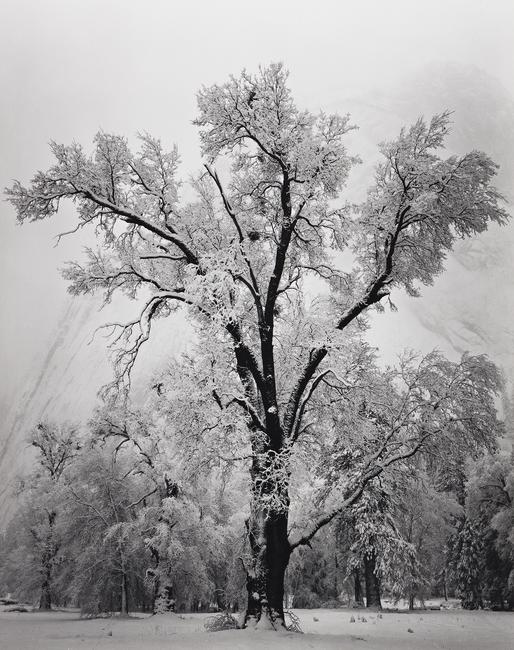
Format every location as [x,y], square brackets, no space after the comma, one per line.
[324,630]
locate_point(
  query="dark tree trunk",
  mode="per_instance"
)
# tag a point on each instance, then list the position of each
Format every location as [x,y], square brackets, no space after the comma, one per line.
[45,601]
[510,600]
[124,595]
[359,599]
[277,559]
[270,551]
[478,603]
[255,574]
[221,603]
[49,552]
[155,594]
[336,574]
[154,573]
[372,582]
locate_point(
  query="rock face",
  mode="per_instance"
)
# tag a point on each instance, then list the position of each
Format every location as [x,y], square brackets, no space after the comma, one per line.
[471,307]
[46,390]
[475,310]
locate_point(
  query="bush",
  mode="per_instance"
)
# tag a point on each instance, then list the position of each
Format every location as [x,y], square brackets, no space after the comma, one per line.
[220,622]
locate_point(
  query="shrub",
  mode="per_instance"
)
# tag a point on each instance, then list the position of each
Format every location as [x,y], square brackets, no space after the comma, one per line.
[220,622]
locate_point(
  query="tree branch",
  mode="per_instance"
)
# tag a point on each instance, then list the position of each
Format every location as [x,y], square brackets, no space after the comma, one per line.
[131,217]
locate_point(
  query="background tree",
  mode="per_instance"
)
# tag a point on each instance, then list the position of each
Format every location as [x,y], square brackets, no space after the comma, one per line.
[240,254]
[109,556]
[481,559]
[34,537]
[183,515]
[426,519]
[314,577]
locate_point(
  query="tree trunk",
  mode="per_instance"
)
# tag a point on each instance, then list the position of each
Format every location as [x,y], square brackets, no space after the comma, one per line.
[45,601]
[277,559]
[359,600]
[255,574]
[270,552]
[124,596]
[221,603]
[336,574]
[510,600]
[372,582]
[155,594]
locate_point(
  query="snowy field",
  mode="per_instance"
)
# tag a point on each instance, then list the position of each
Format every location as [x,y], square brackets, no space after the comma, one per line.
[323,630]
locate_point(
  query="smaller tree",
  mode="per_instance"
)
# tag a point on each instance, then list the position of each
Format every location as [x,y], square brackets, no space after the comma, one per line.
[314,577]
[466,564]
[35,534]
[425,519]
[489,510]
[106,545]
[184,522]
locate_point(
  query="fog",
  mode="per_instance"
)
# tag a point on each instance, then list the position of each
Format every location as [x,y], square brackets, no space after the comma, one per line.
[70,68]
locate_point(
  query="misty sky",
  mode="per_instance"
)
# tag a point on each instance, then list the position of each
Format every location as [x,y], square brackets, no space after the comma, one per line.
[69,68]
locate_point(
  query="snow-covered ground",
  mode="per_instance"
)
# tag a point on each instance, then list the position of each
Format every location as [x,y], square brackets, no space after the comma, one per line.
[323,630]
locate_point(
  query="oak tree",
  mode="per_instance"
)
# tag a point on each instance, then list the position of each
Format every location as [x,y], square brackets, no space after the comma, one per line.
[267,216]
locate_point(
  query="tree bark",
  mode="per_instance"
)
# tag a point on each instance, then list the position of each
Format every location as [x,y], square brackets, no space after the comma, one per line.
[372,582]
[45,601]
[359,600]
[265,584]
[124,610]
[277,559]
[124,600]
[270,551]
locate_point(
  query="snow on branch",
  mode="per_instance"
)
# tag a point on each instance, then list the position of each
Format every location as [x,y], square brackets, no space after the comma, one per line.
[132,335]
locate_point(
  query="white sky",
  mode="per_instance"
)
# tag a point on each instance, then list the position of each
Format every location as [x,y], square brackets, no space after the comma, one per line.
[70,67]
